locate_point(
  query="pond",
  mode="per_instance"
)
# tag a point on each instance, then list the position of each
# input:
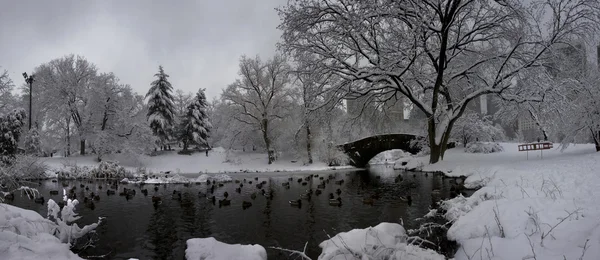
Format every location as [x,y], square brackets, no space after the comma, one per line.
[135,227]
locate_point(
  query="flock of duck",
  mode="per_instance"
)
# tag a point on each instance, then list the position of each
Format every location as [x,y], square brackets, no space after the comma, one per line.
[334,198]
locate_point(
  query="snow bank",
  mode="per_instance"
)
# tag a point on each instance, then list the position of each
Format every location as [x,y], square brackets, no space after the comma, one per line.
[526,208]
[385,239]
[211,249]
[175,178]
[178,179]
[26,234]
[218,160]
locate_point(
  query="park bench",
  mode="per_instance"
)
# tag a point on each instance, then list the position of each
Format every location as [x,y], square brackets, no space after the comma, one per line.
[540,146]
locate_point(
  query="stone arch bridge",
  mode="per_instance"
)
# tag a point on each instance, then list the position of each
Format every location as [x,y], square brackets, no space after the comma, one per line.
[363,150]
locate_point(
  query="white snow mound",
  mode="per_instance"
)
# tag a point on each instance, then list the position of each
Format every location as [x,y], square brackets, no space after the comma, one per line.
[385,239]
[211,249]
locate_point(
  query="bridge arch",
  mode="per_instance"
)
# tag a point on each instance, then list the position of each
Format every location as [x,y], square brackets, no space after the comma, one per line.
[363,150]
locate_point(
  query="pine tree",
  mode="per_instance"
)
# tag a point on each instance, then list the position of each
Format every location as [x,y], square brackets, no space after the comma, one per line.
[160,106]
[195,124]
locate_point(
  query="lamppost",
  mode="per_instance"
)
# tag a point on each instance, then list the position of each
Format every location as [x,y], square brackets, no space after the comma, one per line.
[29,79]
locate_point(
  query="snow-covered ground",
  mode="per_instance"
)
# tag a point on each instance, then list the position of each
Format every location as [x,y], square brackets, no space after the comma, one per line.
[217,161]
[527,208]
[211,249]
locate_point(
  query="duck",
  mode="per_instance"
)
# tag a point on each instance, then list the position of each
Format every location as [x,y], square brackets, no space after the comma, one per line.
[299,180]
[264,182]
[331,196]
[39,200]
[304,183]
[321,186]
[339,182]
[335,202]
[305,196]
[249,182]
[177,196]
[290,179]
[338,191]
[91,205]
[156,199]
[99,187]
[85,199]
[224,202]
[253,195]
[237,181]
[110,192]
[321,178]
[268,195]
[225,194]
[9,196]
[238,190]
[285,184]
[246,204]
[406,198]
[296,203]
[145,192]
[81,186]
[318,192]
[54,180]
[87,188]
[155,188]
[97,197]
[213,199]
[221,184]
[259,186]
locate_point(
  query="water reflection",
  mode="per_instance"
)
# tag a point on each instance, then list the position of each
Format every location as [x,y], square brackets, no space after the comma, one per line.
[136,228]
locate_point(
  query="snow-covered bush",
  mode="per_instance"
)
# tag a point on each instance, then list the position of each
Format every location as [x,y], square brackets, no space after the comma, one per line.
[481,147]
[422,144]
[331,155]
[21,168]
[109,169]
[473,127]
[10,131]
[66,230]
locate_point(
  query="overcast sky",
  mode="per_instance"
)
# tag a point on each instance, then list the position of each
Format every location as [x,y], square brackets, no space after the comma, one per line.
[199,43]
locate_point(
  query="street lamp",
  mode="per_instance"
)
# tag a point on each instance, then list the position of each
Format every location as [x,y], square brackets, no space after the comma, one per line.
[29,80]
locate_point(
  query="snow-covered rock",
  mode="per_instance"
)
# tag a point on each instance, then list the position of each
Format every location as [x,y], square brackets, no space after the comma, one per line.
[201,179]
[386,240]
[222,178]
[389,157]
[211,249]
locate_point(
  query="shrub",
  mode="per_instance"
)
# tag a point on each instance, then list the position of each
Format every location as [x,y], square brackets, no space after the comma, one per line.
[480,147]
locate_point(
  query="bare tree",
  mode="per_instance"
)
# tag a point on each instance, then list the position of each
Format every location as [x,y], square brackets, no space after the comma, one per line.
[439,54]
[6,85]
[261,95]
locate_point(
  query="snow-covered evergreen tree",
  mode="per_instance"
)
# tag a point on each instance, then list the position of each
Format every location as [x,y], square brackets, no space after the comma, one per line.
[160,106]
[32,142]
[10,130]
[195,125]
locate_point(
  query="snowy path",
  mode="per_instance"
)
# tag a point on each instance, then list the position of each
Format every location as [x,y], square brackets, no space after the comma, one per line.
[527,209]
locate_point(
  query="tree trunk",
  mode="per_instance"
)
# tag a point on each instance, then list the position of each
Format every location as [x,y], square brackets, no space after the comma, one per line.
[68,137]
[597,141]
[82,146]
[437,150]
[308,140]
[185,146]
[265,127]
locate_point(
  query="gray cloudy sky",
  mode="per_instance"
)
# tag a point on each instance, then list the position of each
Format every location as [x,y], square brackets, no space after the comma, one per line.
[198,42]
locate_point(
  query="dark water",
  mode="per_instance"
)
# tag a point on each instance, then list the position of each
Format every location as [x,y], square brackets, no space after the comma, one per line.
[135,228]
